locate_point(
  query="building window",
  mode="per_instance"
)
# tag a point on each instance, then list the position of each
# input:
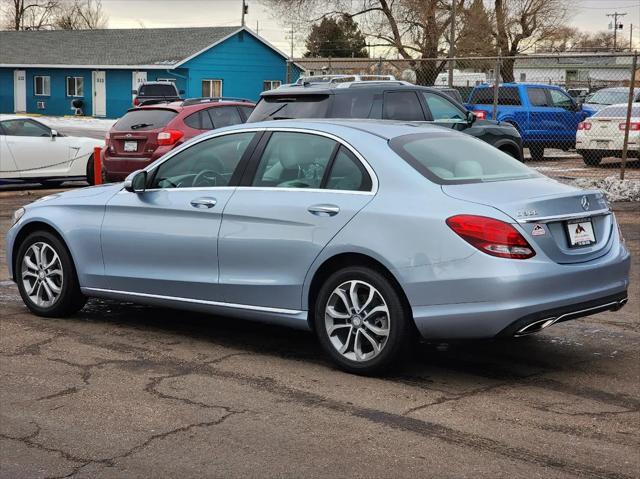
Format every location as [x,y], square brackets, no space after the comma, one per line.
[42,86]
[211,88]
[523,76]
[75,86]
[270,84]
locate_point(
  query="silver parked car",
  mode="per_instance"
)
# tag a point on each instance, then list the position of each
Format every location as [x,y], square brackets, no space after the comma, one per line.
[365,232]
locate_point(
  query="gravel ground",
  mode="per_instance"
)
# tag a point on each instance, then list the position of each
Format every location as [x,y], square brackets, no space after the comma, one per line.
[127,391]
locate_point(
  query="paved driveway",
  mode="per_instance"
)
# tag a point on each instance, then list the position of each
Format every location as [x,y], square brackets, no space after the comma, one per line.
[128,391]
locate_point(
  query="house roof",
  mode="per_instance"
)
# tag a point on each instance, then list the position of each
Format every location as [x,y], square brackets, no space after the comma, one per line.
[164,48]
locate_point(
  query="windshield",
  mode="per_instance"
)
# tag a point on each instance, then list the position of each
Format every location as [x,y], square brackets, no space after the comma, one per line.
[276,107]
[445,159]
[618,111]
[609,97]
[144,119]
[158,89]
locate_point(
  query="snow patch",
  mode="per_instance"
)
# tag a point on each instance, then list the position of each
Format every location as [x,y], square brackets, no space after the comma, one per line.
[613,187]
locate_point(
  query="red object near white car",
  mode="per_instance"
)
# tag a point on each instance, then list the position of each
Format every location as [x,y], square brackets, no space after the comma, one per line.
[602,135]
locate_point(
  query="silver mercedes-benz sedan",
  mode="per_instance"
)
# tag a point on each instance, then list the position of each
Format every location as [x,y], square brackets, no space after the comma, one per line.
[368,233]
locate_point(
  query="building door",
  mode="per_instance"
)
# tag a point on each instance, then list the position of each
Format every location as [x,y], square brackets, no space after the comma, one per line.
[19,91]
[137,79]
[99,93]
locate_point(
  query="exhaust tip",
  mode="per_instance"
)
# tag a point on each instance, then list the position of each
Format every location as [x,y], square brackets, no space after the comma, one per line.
[535,327]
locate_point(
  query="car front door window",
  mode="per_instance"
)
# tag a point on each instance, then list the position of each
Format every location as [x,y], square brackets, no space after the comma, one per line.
[441,108]
[561,100]
[209,163]
[294,160]
[25,128]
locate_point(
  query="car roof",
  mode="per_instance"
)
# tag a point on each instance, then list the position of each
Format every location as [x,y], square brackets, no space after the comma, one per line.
[515,85]
[385,129]
[334,89]
[616,88]
[179,105]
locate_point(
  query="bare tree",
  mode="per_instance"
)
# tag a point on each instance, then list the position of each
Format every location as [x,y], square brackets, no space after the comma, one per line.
[415,29]
[519,24]
[81,15]
[29,14]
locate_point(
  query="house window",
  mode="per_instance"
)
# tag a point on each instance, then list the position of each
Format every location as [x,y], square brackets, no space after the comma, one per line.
[75,86]
[270,84]
[42,86]
[523,76]
[211,88]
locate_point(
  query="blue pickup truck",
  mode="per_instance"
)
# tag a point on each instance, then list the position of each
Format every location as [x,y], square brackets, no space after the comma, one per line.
[545,115]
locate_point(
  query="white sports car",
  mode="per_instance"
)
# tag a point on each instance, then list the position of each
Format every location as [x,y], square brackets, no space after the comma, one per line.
[31,151]
[602,135]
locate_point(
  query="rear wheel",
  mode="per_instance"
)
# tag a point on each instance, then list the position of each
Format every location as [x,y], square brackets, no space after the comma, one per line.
[46,276]
[537,152]
[361,321]
[91,178]
[591,158]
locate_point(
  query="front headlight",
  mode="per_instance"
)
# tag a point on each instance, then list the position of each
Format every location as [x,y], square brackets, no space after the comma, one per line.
[17,214]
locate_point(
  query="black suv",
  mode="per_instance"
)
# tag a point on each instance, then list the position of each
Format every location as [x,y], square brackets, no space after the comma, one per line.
[389,100]
[152,92]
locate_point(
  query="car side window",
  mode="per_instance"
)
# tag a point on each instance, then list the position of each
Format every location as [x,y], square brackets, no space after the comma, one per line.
[441,108]
[537,96]
[294,160]
[560,99]
[347,173]
[20,127]
[209,163]
[354,104]
[402,105]
[193,121]
[224,116]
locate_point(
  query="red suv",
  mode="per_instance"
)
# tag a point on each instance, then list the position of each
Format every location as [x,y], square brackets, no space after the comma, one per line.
[146,133]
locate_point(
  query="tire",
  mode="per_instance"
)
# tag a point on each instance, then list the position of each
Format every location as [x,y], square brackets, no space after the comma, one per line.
[512,154]
[591,158]
[91,178]
[44,300]
[537,152]
[395,326]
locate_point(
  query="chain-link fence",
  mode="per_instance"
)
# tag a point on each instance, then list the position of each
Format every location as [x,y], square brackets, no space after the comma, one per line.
[564,106]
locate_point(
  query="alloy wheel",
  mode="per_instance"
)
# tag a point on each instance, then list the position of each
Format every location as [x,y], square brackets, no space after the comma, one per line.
[42,274]
[357,320]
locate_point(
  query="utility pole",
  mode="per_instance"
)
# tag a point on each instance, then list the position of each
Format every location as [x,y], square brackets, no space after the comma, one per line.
[452,42]
[291,37]
[631,37]
[245,10]
[615,16]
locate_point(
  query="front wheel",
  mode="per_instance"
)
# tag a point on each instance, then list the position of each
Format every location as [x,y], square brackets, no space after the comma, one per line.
[591,158]
[361,321]
[46,276]
[537,152]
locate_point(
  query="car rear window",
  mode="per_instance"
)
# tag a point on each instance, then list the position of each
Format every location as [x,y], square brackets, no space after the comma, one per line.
[275,107]
[444,159]
[618,111]
[145,119]
[506,96]
[158,90]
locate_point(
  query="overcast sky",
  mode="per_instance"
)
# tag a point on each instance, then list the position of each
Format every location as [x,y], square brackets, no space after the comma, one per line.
[585,14]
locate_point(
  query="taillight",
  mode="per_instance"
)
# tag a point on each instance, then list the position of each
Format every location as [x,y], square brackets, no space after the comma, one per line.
[491,236]
[480,114]
[584,125]
[633,126]
[136,102]
[169,137]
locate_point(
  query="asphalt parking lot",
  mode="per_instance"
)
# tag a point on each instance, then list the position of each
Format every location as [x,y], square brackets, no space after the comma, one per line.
[128,391]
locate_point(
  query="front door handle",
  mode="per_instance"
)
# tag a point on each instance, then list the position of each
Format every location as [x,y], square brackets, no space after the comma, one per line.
[204,202]
[324,210]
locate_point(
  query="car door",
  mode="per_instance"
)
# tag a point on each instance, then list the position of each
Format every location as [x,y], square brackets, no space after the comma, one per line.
[567,113]
[8,167]
[299,191]
[164,241]
[35,151]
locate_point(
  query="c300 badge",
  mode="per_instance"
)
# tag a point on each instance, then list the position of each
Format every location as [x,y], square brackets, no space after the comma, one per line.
[526,213]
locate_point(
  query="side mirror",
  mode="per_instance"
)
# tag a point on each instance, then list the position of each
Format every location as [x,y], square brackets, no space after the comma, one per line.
[134,92]
[471,117]
[136,182]
[53,134]
[181,92]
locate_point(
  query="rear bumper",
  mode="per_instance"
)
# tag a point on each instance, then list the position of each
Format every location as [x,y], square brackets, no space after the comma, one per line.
[604,152]
[117,168]
[498,296]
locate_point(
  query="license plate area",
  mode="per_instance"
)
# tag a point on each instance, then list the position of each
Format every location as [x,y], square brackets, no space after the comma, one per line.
[580,233]
[602,143]
[130,146]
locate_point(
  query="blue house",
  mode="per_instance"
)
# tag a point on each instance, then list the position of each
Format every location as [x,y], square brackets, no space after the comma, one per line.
[44,71]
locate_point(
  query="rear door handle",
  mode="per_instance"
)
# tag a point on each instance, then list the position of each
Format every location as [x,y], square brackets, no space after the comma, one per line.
[204,202]
[324,210]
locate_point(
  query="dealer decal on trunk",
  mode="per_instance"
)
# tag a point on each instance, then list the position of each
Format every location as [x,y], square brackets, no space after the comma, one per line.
[538,230]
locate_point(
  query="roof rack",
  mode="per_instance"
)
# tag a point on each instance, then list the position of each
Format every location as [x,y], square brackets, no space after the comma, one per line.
[338,79]
[213,99]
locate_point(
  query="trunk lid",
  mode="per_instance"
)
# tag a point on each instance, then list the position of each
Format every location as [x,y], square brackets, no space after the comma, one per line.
[135,134]
[545,210]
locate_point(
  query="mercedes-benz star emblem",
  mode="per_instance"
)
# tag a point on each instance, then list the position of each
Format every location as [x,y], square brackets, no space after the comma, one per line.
[584,201]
